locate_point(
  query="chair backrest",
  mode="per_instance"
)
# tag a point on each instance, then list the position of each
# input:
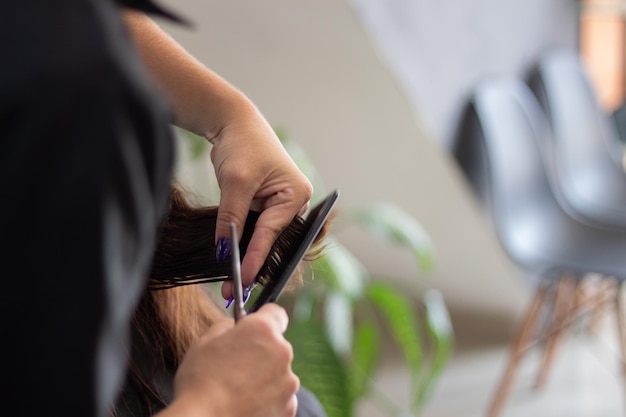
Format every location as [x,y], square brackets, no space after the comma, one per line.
[564,90]
[587,152]
[619,118]
[497,150]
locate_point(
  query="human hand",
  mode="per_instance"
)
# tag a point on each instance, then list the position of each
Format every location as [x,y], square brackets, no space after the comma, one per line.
[254,171]
[241,370]
[252,167]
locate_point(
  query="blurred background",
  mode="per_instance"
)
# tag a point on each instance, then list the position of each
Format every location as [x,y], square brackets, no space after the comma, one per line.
[372,91]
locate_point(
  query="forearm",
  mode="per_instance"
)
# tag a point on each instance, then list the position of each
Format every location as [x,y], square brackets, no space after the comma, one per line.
[202,101]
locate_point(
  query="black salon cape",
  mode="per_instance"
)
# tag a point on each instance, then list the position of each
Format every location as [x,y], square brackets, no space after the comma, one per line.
[86,156]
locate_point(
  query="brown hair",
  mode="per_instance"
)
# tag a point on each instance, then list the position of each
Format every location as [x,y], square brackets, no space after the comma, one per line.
[172,314]
[186,246]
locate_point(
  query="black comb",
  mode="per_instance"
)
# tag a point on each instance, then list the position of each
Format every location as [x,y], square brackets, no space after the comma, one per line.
[312,226]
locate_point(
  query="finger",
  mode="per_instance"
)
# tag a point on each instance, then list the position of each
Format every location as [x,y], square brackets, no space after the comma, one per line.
[234,206]
[303,209]
[274,314]
[227,290]
[228,213]
[269,225]
[217,329]
[292,407]
[280,209]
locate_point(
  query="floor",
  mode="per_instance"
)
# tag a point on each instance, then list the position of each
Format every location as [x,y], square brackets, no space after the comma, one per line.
[585,380]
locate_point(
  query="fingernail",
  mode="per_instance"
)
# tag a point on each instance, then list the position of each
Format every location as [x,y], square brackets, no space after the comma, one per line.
[247,291]
[224,246]
[229,302]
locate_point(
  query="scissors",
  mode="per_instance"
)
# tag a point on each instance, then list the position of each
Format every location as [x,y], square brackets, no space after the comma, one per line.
[239,310]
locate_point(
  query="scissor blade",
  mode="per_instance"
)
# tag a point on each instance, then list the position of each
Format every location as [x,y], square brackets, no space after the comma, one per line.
[236,274]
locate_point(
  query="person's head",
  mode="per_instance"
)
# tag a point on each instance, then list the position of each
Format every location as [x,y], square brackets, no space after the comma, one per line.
[176,308]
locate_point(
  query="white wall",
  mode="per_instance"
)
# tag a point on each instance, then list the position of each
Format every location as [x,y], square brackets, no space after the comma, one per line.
[438,49]
[312,70]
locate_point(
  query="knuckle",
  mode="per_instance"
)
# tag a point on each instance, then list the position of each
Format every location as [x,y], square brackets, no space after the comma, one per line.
[236,176]
[262,328]
[294,383]
[308,190]
[301,192]
[285,351]
[226,215]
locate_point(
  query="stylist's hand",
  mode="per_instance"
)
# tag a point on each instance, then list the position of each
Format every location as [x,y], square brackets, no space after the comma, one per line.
[255,171]
[241,370]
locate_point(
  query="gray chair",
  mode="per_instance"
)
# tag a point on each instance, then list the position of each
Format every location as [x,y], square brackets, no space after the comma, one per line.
[586,151]
[497,147]
[619,118]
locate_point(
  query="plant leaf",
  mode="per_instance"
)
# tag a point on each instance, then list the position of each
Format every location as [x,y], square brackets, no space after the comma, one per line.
[365,357]
[441,334]
[338,318]
[392,224]
[340,270]
[303,304]
[319,368]
[400,319]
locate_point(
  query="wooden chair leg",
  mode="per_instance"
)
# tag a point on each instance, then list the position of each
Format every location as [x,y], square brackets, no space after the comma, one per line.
[565,305]
[601,293]
[518,349]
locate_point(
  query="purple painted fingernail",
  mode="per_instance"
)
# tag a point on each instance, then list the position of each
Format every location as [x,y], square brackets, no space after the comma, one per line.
[229,302]
[224,246]
[247,291]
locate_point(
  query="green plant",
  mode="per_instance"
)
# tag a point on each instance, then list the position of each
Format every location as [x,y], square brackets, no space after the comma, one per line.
[340,314]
